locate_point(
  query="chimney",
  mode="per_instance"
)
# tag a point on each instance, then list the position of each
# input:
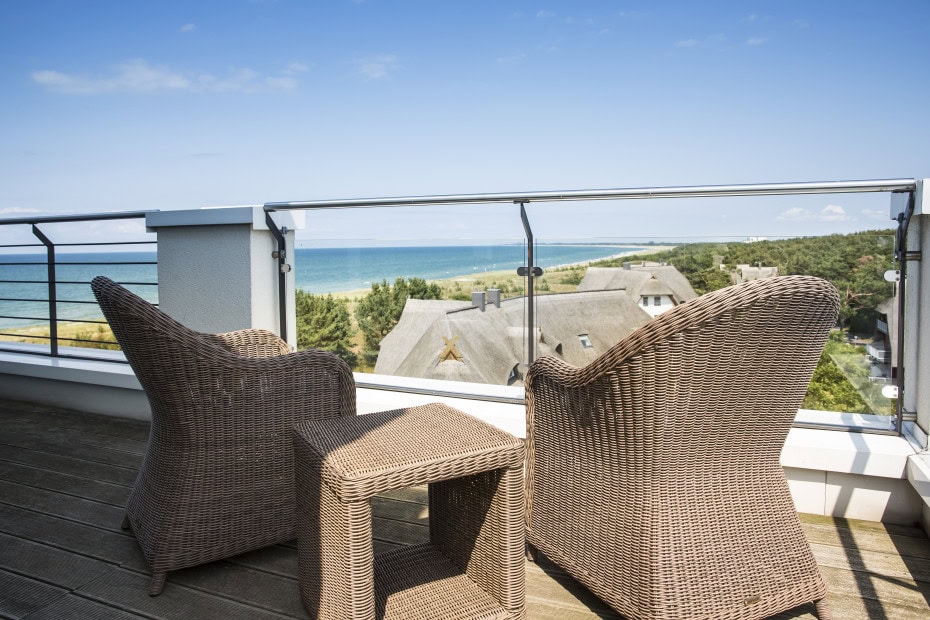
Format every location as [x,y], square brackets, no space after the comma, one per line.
[477,300]
[494,296]
[628,265]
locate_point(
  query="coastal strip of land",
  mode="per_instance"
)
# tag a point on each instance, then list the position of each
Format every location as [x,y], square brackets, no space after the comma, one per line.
[507,279]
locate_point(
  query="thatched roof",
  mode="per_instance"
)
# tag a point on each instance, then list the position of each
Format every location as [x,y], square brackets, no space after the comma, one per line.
[492,342]
[639,280]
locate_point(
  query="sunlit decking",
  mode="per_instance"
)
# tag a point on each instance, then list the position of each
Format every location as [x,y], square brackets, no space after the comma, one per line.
[64,477]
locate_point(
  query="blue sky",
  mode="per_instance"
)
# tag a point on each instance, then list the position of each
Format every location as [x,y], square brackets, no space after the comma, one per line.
[113,105]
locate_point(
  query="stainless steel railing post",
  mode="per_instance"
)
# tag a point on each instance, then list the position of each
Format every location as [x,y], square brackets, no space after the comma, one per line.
[52,291]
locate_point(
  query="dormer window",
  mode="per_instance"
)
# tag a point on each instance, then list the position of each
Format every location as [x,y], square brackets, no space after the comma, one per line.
[585,341]
[657,301]
[645,301]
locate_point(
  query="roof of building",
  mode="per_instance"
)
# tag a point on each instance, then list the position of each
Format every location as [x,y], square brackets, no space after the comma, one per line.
[747,273]
[489,343]
[639,280]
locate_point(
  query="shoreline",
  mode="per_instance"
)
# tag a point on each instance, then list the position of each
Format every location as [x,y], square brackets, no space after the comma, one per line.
[354,294]
[653,249]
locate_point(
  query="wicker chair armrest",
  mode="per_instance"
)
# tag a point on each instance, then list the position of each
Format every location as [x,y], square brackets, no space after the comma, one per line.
[252,342]
[557,371]
[305,379]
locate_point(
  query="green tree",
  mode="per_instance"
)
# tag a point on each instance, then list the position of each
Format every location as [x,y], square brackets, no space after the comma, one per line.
[323,323]
[379,311]
[830,390]
[708,280]
[854,263]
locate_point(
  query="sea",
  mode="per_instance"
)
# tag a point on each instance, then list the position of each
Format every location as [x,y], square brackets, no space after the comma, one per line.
[23,277]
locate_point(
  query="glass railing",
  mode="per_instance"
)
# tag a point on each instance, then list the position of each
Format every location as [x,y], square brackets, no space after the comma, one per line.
[850,375]
[503,279]
[477,320]
[421,308]
[458,310]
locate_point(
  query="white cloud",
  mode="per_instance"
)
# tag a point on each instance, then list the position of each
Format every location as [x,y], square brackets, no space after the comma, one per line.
[380,67]
[297,67]
[134,76]
[830,213]
[237,80]
[876,214]
[18,211]
[512,60]
[833,213]
[755,41]
[281,83]
[138,76]
[543,14]
[796,213]
[187,28]
[687,43]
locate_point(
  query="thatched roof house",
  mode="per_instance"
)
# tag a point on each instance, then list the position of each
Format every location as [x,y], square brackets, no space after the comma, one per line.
[486,342]
[652,286]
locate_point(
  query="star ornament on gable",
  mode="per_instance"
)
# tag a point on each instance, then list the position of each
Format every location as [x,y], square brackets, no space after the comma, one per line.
[450,352]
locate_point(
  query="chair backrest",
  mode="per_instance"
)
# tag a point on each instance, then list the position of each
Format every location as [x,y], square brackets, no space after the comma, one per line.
[164,354]
[724,372]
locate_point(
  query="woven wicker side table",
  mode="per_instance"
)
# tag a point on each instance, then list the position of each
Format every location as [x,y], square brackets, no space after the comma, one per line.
[473,566]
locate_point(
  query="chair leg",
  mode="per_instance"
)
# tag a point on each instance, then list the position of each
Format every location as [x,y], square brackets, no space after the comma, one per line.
[532,553]
[125,523]
[823,609]
[157,583]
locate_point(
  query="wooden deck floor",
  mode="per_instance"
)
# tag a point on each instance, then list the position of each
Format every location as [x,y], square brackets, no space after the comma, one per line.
[65,476]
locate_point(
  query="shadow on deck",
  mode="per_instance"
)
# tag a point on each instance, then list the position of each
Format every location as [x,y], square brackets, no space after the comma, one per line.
[65,476]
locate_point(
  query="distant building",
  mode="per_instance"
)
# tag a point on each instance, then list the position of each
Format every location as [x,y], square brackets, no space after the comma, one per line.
[484,341]
[654,287]
[882,350]
[747,273]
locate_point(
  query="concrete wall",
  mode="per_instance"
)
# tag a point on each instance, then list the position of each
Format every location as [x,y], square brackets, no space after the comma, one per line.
[216,272]
[205,277]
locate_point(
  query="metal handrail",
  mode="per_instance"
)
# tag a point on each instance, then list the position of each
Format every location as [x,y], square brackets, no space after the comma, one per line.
[82,217]
[696,191]
[52,281]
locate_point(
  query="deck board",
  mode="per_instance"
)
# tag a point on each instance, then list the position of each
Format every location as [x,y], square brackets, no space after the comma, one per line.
[65,476]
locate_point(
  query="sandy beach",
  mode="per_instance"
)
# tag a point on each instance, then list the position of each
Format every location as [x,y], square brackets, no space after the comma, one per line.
[509,274]
[652,249]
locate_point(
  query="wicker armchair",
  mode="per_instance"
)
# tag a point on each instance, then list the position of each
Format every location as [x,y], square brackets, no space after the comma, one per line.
[218,475]
[653,474]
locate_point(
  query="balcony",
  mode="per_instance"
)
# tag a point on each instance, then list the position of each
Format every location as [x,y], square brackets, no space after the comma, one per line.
[65,476]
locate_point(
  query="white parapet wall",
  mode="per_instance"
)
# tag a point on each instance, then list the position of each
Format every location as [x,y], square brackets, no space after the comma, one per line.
[106,385]
[873,477]
[216,272]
